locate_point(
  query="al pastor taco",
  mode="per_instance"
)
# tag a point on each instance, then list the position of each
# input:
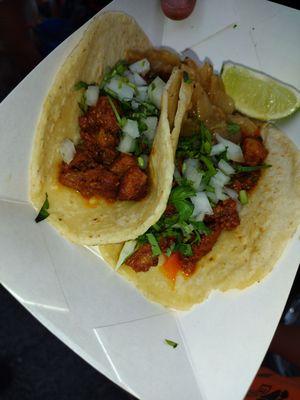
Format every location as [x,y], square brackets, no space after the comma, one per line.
[102,162]
[233,206]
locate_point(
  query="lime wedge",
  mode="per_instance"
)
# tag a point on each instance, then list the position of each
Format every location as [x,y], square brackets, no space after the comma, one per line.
[258,95]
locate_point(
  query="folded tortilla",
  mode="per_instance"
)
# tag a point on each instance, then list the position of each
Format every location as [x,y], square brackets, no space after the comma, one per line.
[248,253]
[105,42]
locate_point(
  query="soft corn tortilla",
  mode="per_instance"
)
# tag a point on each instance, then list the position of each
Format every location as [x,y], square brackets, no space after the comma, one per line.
[248,253]
[94,222]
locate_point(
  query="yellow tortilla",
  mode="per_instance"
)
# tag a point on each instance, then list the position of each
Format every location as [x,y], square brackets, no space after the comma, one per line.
[94,222]
[248,253]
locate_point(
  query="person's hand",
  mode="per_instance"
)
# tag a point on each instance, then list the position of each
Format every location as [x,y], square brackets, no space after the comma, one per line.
[177,9]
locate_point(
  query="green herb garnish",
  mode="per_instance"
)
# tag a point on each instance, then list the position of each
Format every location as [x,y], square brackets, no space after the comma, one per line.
[185,249]
[201,227]
[178,198]
[171,343]
[244,168]
[120,68]
[170,249]
[82,104]
[243,197]
[43,214]
[156,251]
[141,162]
[121,120]
[186,77]
[117,115]
[142,126]
[142,146]
[233,128]
[209,165]
[80,85]
[206,139]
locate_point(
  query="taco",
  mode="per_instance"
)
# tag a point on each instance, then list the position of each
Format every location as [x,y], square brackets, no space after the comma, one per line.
[234,204]
[102,161]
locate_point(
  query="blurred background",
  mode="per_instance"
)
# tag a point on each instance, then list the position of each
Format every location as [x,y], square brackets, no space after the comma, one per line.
[33,363]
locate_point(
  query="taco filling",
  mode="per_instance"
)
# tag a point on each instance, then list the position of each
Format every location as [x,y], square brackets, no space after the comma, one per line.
[219,159]
[117,128]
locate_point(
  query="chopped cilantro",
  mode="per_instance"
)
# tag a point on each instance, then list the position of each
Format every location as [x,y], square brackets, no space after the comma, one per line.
[144,110]
[188,147]
[117,115]
[142,146]
[209,189]
[171,343]
[206,139]
[120,67]
[80,85]
[222,156]
[201,227]
[243,197]
[142,126]
[185,249]
[181,192]
[82,104]
[186,77]
[43,213]
[244,168]
[156,251]
[141,162]
[233,128]
[170,249]
[156,227]
[209,165]
[179,198]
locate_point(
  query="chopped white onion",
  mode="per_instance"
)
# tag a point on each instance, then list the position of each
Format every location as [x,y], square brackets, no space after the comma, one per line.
[67,150]
[217,182]
[191,172]
[127,144]
[219,192]
[120,88]
[151,123]
[141,67]
[126,251]
[212,197]
[155,91]
[142,93]
[138,80]
[219,179]
[234,152]
[135,105]
[231,193]
[135,78]
[217,149]
[201,204]
[91,95]
[225,167]
[131,128]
